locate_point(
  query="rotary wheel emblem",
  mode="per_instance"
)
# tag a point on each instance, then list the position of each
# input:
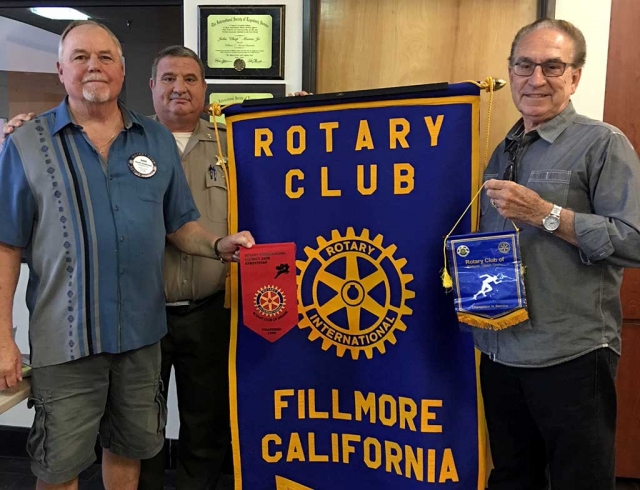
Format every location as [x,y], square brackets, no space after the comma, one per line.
[504,247]
[352,293]
[269,300]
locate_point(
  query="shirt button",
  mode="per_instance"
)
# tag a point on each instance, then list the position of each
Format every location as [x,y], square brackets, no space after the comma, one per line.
[184,257]
[122,238]
[116,207]
[184,281]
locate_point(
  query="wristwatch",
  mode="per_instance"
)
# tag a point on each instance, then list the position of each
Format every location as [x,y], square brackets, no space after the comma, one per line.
[552,221]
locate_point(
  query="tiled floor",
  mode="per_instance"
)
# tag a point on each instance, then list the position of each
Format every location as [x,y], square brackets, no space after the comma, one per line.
[16,475]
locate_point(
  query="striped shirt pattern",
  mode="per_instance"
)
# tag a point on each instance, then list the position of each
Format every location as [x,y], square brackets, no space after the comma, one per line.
[93,232]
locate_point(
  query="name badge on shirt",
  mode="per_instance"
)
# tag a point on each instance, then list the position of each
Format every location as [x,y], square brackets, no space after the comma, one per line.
[142,165]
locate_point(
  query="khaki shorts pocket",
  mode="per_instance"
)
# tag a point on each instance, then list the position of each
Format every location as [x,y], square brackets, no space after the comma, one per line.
[38,433]
[161,404]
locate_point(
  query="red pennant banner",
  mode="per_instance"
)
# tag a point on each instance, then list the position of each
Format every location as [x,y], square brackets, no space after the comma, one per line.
[269,289]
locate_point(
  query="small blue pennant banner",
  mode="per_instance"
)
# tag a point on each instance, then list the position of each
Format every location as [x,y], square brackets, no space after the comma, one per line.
[486,269]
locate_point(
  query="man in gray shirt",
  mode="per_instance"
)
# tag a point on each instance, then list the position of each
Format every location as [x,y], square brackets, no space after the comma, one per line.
[572,184]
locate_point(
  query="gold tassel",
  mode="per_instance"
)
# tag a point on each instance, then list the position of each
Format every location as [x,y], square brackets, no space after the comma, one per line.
[501,323]
[447,282]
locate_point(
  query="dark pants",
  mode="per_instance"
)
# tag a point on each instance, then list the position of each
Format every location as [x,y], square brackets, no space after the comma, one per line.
[556,423]
[197,346]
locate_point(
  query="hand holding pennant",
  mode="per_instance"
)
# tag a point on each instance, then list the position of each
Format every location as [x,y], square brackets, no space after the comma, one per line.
[269,289]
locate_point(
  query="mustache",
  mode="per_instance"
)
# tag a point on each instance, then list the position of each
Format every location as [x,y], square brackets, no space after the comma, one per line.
[178,96]
[94,77]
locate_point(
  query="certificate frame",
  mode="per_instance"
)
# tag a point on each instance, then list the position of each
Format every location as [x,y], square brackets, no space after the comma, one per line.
[275,89]
[242,69]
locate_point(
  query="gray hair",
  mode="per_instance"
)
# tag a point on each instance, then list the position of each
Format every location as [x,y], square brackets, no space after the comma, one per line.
[575,34]
[176,51]
[78,23]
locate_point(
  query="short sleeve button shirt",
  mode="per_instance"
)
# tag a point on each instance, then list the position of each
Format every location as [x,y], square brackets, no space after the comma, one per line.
[93,232]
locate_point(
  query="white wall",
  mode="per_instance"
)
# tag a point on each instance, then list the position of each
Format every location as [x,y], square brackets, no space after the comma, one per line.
[292,45]
[20,415]
[592,17]
[27,48]
[24,48]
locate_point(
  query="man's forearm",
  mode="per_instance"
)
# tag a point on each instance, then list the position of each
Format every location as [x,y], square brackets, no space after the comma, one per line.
[9,274]
[193,239]
[566,230]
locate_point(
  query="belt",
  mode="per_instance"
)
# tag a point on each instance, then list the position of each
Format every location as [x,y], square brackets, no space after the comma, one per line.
[187,306]
[178,303]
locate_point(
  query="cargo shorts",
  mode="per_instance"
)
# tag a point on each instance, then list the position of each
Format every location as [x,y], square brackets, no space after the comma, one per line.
[116,396]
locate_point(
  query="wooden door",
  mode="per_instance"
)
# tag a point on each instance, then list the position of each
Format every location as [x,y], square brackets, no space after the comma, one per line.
[620,109]
[383,43]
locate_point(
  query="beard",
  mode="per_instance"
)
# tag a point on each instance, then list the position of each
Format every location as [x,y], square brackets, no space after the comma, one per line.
[96,94]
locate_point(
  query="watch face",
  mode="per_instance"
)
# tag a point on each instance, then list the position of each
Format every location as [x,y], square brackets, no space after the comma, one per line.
[551,223]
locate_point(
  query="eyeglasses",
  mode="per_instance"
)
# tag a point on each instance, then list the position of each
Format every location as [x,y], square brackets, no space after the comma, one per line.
[549,68]
[511,170]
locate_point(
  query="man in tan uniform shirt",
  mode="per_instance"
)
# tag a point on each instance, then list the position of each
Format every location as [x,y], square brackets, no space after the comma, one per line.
[197,344]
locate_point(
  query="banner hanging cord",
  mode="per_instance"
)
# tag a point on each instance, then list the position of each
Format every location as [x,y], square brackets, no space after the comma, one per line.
[490,84]
[215,111]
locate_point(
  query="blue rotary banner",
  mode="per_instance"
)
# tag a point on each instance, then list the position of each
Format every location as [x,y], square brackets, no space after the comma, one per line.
[376,386]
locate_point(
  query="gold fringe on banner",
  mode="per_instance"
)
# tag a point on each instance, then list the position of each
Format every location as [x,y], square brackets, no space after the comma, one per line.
[500,323]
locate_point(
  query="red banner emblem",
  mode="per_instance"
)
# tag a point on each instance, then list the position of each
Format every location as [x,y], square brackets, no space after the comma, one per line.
[269,289]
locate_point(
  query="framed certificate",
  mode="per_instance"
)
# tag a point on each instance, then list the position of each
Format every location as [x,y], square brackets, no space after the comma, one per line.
[236,93]
[242,41]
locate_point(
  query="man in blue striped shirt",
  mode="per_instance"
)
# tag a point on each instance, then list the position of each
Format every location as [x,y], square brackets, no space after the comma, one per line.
[89,191]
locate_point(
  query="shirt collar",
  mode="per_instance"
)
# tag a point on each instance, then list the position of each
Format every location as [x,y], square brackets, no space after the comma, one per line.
[204,130]
[548,131]
[63,117]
